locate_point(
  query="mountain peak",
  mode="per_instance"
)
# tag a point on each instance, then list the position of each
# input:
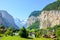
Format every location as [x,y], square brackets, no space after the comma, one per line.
[6,19]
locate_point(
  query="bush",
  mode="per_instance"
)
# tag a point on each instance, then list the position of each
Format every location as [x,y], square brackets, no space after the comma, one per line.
[8,32]
[1,35]
[23,33]
[2,29]
[40,32]
[58,32]
[37,33]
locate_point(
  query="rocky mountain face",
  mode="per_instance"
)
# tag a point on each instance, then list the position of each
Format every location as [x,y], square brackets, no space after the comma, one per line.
[49,18]
[20,23]
[6,19]
[46,19]
[32,18]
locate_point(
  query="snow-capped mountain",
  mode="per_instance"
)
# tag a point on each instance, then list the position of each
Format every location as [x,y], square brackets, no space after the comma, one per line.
[20,23]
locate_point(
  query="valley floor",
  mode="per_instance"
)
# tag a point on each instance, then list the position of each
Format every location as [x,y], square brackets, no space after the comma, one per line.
[19,38]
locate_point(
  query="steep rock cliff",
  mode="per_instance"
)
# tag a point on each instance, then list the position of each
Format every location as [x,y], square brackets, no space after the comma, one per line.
[49,18]
[6,19]
[31,20]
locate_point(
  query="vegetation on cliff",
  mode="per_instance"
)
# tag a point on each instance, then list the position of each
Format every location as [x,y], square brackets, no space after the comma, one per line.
[53,6]
[35,13]
[34,25]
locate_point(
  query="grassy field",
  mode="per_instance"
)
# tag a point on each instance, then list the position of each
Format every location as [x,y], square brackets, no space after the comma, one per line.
[42,39]
[19,38]
[13,38]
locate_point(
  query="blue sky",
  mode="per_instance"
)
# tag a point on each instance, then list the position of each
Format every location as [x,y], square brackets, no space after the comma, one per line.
[22,8]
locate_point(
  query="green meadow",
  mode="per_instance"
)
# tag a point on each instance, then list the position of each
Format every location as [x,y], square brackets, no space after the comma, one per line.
[19,38]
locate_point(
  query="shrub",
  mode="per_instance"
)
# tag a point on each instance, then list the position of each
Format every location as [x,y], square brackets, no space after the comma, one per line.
[8,32]
[58,32]
[23,33]
[1,35]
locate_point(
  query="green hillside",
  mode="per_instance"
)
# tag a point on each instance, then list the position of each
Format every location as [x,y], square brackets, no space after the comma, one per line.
[35,13]
[34,25]
[53,6]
